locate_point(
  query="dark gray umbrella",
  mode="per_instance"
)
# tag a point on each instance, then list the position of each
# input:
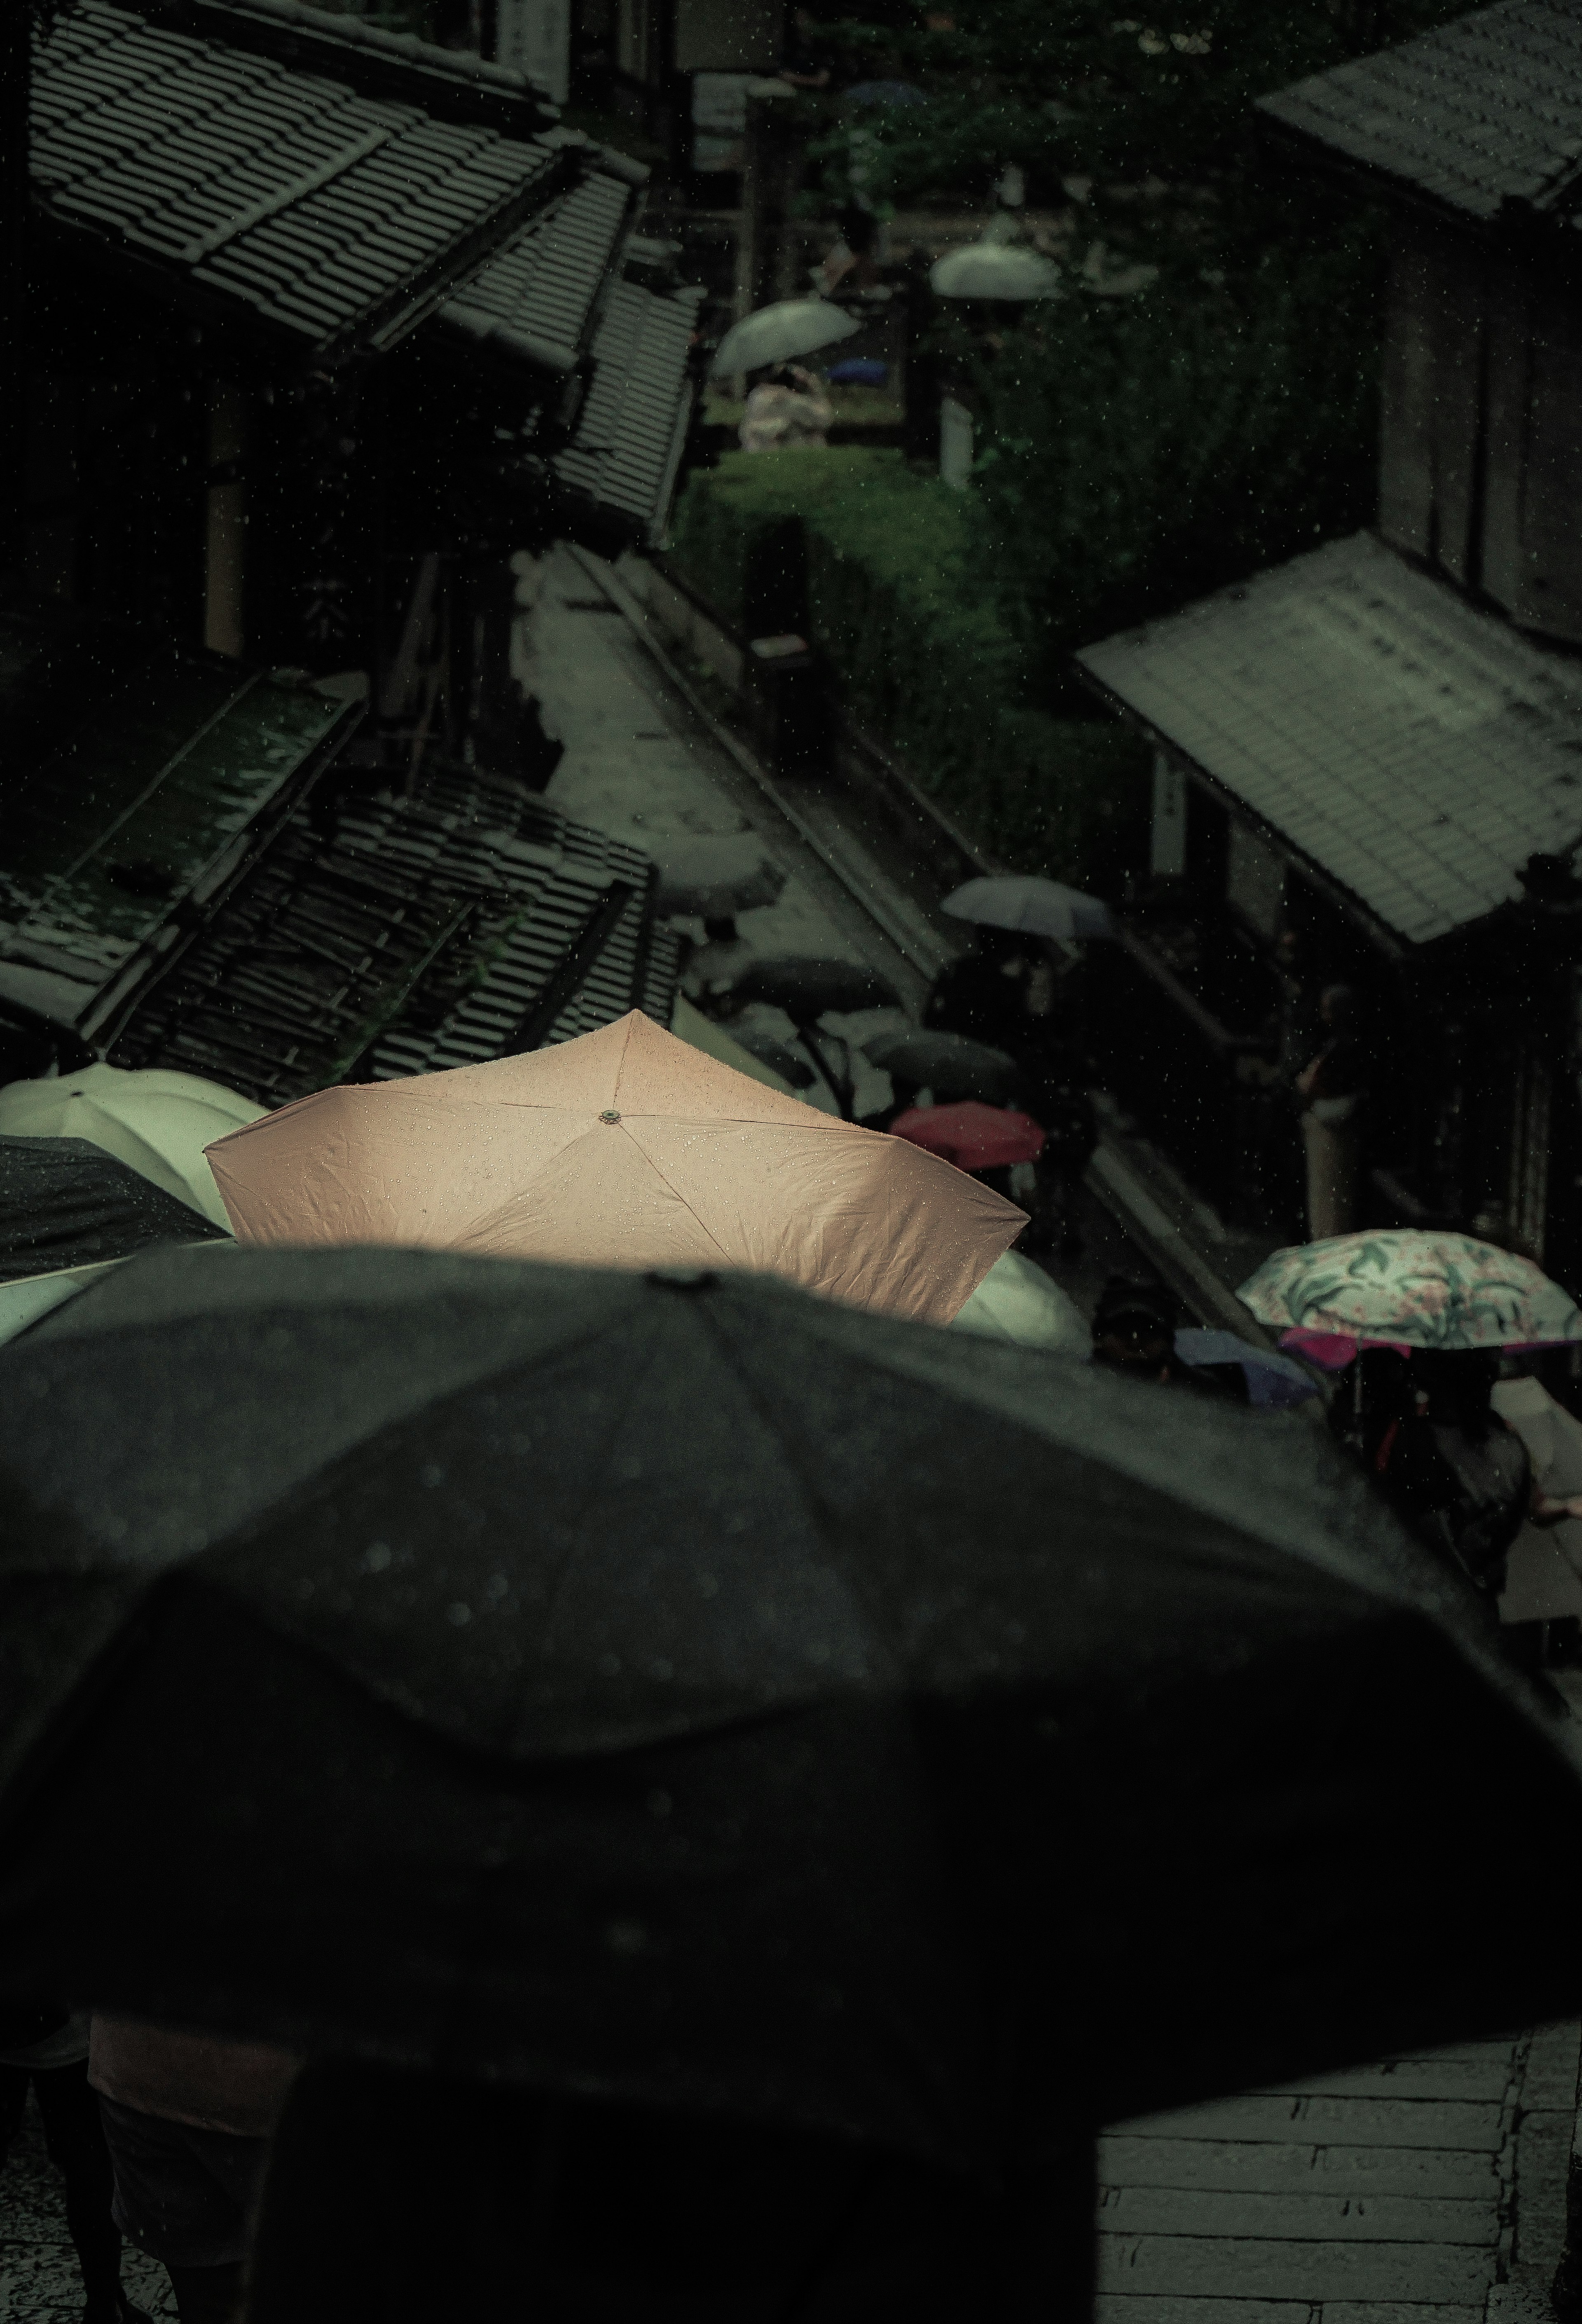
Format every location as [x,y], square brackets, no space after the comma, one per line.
[949,1064]
[694,1693]
[64,1202]
[808,989]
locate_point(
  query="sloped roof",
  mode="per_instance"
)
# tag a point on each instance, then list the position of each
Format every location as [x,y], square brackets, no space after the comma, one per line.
[281,195]
[161,770]
[415,934]
[1485,109]
[537,298]
[623,458]
[1416,751]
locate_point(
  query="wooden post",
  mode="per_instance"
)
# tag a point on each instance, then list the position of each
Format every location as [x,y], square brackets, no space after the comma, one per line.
[224,554]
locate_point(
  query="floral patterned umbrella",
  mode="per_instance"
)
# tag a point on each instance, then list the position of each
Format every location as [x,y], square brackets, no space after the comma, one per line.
[1420,1288]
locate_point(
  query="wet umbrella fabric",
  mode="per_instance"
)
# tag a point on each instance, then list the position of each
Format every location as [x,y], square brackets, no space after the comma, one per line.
[65,1202]
[706,1696]
[1034,906]
[1412,1286]
[973,1137]
[623,1147]
[951,1064]
[994,270]
[809,988]
[155,1120]
[777,333]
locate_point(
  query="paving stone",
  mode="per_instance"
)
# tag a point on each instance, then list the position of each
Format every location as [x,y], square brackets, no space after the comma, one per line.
[1298,2217]
[1483,2077]
[1228,2268]
[1229,2164]
[1552,2061]
[1343,2121]
[1114,2309]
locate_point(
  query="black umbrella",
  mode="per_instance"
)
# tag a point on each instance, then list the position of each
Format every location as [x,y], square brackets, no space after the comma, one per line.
[64,1202]
[949,1064]
[807,989]
[690,1693]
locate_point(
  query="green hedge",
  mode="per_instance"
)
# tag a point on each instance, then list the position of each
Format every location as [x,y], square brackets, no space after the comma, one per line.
[898,604]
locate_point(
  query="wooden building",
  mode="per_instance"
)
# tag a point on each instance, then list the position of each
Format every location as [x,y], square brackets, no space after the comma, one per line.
[327,325]
[1380,745]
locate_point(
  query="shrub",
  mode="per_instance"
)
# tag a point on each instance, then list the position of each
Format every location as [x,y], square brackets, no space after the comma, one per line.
[896,601]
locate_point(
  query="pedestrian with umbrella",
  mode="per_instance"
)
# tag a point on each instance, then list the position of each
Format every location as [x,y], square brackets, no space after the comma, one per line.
[786,408]
[1414,1322]
[661,1724]
[809,988]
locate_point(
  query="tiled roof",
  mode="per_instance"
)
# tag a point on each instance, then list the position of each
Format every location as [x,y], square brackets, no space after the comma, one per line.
[1485,108]
[623,458]
[281,195]
[415,934]
[163,769]
[1414,750]
[537,298]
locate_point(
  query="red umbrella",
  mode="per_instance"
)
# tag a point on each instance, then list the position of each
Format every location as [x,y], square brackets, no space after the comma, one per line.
[973,1137]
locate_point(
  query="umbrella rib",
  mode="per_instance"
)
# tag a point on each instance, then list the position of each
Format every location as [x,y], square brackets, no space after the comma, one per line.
[658,1171]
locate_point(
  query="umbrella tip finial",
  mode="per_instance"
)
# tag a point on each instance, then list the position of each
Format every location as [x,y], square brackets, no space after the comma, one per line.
[684,1278]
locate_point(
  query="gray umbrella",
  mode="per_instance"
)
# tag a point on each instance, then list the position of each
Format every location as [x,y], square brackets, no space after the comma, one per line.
[716,877]
[949,1064]
[792,327]
[995,270]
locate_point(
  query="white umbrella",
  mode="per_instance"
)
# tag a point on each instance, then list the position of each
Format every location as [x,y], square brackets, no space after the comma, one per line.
[1038,908]
[1016,1301]
[157,1123]
[995,270]
[793,327]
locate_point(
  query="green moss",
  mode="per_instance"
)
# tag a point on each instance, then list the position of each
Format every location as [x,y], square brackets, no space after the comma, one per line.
[917,649]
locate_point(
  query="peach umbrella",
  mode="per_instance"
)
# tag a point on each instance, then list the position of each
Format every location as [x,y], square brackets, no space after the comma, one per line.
[624,1148]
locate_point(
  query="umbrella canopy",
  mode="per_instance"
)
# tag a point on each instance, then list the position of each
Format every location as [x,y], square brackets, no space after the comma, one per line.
[973,1137]
[65,1202]
[777,334]
[623,1147]
[994,270]
[1017,1302]
[1273,1382]
[1418,1287]
[1039,907]
[716,877]
[948,1064]
[807,988]
[706,1696]
[157,1122]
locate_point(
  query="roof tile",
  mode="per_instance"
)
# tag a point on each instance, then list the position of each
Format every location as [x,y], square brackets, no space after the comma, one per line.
[1435,748]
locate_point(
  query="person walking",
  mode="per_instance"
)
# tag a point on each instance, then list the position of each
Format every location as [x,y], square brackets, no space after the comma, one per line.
[787,408]
[1048,1054]
[45,2049]
[188,2120]
[1331,1093]
[981,994]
